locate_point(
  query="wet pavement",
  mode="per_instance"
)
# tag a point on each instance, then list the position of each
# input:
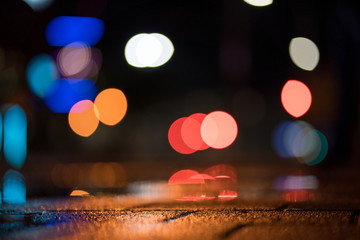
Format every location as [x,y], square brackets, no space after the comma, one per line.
[329,209]
[114,217]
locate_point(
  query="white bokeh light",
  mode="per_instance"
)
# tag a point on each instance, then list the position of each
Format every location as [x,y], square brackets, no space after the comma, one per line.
[148,50]
[304,53]
[73,58]
[259,3]
[167,50]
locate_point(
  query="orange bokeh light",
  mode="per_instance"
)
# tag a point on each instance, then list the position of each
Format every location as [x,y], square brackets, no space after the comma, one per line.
[83,118]
[219,129]
[296,98]
[112,106]
[79,193]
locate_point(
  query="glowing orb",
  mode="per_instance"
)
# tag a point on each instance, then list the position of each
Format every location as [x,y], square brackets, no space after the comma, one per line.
[15,136]
[300,140]
[319,150]
[84,118]
[73,58]
[296,98]
[219,129]
[190,132]
[64,30]
[175,138]
[304,53]
[65,92]
[40,74]
[259,3]
[148,50]
[14,189]
[112,106]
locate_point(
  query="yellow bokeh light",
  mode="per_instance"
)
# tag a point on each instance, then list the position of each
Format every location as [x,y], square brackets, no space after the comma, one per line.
[112,106]
[304,53]
[84,118]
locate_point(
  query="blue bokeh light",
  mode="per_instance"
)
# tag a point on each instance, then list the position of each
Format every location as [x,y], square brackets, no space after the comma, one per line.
[65,92]
[64,30]
[40,74]
[278,139]
[15,136]
[14,189]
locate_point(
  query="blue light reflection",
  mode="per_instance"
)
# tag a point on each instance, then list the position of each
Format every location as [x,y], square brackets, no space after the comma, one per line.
[14,189]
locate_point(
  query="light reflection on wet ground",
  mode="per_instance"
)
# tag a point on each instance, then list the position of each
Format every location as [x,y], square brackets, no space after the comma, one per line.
[270,205]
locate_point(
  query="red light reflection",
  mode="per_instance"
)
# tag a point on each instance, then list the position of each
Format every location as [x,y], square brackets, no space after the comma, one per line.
[298,195]
[226,195]
[186,177]
[217,181]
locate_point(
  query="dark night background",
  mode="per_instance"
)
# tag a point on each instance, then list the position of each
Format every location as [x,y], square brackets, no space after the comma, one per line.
[221,48]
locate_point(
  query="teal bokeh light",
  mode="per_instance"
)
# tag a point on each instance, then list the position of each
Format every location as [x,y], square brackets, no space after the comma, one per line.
[14,189]
[40,74]
[15,136]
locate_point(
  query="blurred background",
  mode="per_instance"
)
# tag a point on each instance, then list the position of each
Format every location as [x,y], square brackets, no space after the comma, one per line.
[226,56]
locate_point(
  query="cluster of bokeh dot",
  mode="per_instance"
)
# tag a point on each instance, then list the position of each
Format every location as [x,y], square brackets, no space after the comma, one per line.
[65,78]
[200,131]
[13,142]
[300,139]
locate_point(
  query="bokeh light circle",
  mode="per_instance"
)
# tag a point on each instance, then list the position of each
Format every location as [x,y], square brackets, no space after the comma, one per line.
[84,118]
[167,50]
[320,150]
[148,50]
[40,74]
[73,58]
[300,140]
[112,106]
[304,53]
[296,98]
[191,133]
[259,3]
[175,138]
[219,129]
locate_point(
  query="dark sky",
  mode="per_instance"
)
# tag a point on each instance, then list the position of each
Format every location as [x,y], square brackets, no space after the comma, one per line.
[199,77]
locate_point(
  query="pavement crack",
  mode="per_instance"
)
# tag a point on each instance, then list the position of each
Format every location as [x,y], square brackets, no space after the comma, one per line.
[179,216]
[282,207]
[234,229]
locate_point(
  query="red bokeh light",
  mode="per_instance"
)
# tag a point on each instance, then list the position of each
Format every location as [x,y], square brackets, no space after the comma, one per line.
[296,98]
[175,139]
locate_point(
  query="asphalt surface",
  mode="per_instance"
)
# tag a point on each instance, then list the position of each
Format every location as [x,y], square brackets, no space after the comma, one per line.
[128,217]
[331,210]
